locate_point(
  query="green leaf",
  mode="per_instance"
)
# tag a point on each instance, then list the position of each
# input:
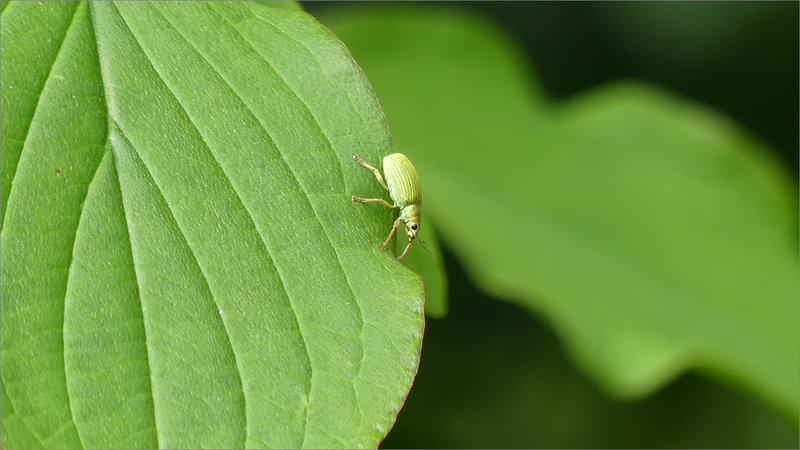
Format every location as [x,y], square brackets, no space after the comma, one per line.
[13,432]
[524,393]
[182,265]
[652,233]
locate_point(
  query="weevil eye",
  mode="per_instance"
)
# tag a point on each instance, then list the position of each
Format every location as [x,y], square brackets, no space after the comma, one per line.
[414,226]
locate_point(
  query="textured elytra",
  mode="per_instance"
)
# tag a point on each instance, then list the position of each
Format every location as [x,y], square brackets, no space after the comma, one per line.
[402,180]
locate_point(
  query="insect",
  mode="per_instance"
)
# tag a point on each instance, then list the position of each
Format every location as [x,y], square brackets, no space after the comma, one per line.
[402,182]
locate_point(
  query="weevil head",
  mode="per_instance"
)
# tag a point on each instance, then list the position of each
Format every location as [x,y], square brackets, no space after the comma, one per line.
[410,216]
[411,229]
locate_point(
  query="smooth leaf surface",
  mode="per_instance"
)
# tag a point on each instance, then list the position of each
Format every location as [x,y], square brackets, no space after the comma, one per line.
[652,233]
[182,265]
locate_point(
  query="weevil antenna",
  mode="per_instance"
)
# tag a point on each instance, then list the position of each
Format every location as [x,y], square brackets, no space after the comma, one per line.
[426,249]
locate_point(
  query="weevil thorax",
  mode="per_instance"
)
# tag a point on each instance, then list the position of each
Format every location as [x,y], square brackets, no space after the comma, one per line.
[410,217]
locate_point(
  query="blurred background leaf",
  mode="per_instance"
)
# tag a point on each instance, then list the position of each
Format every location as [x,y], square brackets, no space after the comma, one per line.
[739,57]
[492,376]
[662,236]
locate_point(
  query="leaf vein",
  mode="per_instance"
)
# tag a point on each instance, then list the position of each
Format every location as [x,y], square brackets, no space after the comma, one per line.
[33,117]
[7,417]
[66,289]
[139,296]
[185,239]
[307,196]
[252,221]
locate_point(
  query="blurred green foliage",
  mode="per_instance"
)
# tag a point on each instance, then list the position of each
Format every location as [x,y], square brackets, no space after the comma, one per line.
[739,57]
[655,168]
[492,376]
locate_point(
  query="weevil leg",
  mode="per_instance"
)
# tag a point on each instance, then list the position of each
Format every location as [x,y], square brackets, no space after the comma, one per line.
[391,233]
[373,200]
[374,170]
[408,246]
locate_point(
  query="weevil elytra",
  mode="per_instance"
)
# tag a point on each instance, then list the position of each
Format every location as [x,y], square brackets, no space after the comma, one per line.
[402,182]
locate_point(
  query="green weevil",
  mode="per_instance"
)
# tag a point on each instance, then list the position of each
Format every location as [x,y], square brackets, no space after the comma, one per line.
[402,182]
